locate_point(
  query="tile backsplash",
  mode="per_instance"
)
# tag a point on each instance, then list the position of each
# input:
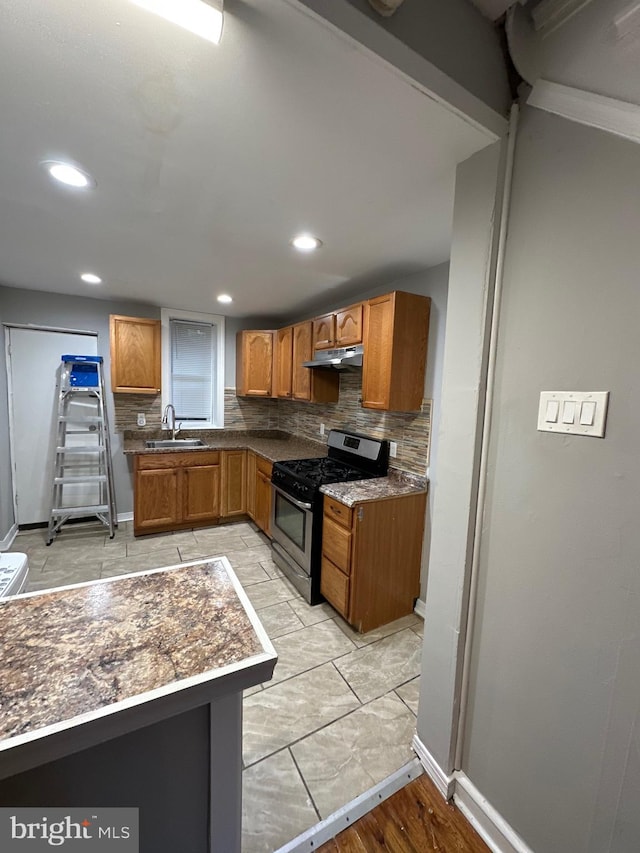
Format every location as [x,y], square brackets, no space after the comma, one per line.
[411,431]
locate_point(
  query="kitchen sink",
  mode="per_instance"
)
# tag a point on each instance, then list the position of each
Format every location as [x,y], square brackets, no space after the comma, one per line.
[156,443]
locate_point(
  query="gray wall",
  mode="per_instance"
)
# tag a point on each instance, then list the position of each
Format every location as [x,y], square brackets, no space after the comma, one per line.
[456,37]
[458,430]
[445,45]
[52,309]
[553,736]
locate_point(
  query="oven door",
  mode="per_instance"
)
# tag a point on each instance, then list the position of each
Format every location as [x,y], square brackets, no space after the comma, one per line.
[291,526]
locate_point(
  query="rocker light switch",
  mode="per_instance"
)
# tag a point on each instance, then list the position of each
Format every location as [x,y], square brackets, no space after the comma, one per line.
[573,412]
[587,413]
[553,408]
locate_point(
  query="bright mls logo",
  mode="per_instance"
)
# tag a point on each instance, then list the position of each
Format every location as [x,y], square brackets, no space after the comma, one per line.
[36,830]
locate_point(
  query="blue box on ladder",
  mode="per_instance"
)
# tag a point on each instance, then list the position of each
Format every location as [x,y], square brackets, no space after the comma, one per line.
[84,370]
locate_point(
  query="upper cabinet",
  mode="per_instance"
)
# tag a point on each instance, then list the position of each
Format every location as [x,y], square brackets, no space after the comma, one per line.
[396,333]
[348,326]
[283,363]
[135,355]
[312,385]
[254,363]
[340,329]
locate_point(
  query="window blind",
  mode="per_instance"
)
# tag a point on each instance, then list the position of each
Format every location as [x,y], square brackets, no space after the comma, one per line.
[192,369]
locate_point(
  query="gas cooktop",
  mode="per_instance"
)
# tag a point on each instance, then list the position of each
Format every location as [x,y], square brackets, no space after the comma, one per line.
[322,470]
[351,457]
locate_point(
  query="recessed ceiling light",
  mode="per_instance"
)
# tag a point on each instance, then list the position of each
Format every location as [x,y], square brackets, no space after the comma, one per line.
[306,243]
[68,174]
[224,297]
[202,17]
[91,278]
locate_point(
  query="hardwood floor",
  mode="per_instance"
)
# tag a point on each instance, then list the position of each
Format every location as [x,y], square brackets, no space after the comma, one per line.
[414,820]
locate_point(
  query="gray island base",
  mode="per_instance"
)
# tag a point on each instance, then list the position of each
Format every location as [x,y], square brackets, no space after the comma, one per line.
[128,692]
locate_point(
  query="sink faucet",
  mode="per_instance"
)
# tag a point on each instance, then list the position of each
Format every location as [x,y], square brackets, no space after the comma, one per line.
[169,420]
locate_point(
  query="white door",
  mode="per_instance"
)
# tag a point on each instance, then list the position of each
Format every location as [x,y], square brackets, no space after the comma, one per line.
[33,364]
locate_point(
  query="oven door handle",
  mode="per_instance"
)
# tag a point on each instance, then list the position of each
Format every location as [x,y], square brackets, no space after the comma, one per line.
[284,494]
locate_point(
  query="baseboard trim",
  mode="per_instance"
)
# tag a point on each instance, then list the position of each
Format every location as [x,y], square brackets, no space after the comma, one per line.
[7,542]
[420,608]
[125,516]
[309,841]
[485,819]
[443,782]
[618,117]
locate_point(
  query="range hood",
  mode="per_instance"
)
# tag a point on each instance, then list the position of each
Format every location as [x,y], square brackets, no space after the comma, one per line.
[338,359]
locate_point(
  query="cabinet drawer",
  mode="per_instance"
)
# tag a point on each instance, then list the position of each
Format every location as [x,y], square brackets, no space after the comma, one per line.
[338,512]
[336,544]
[334,585]
[264,466]
[181,459]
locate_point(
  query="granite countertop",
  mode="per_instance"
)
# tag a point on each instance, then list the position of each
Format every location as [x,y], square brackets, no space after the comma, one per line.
[273,445]
[277,446]
[396,484]
[78,653]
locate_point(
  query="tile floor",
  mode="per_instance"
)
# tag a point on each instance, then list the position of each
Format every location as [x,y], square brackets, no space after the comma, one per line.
[338,716]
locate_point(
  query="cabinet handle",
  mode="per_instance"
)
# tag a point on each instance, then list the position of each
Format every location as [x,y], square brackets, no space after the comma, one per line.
[360,513]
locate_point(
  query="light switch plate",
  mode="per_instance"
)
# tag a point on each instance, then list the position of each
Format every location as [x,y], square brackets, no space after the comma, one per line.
[571,416]
[393,449]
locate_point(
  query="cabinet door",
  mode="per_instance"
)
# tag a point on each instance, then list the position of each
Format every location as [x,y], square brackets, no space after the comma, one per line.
[263,502]
[157,502]
[396,333]
[201,493]
[284,362]
[135,355]
[301,352]
[254,363]
[349,326]
[233,488]
[251,484]
[324,332]
[376,367]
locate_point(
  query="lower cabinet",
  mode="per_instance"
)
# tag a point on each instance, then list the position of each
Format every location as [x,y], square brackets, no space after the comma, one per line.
[175,490]
[371,557]
[233,487]
[259,491]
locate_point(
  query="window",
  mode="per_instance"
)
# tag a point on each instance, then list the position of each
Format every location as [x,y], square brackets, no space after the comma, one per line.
[193,368]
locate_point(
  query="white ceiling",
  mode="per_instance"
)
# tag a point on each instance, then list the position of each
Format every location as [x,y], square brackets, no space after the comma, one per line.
[209,159]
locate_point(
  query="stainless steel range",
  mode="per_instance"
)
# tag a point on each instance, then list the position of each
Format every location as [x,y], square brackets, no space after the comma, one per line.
[296,506]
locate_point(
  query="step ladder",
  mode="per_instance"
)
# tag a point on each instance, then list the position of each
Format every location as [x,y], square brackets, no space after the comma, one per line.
[82,452]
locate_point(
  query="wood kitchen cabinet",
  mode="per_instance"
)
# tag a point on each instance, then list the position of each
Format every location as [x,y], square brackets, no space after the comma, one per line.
[284,363]
[339,329]
[233,483]
[259,491]
[254,363]
[396,333]
[312,385]
[135,355]
[175,490]
[371,555]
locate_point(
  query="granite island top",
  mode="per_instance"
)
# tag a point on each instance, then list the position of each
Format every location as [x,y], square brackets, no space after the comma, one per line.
[79,653]
[274,445]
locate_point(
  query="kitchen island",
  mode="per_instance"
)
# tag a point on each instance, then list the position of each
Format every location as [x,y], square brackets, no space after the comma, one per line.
[127,691]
